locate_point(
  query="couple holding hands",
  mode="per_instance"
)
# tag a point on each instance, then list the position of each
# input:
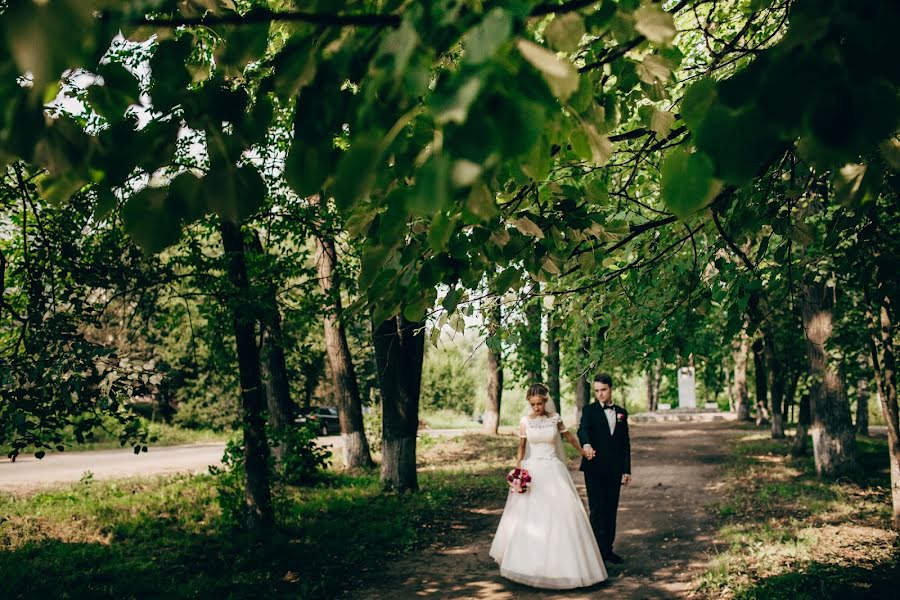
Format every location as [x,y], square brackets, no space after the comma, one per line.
[545,538]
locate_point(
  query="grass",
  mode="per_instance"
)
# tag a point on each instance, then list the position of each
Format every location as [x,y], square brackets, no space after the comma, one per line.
[164,537]
[785,533]
[449,419]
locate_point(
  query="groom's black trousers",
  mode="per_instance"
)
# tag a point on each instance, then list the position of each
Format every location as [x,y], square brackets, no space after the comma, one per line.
[603,499]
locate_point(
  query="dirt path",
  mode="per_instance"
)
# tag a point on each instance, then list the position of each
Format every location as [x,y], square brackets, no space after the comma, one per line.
[664,531]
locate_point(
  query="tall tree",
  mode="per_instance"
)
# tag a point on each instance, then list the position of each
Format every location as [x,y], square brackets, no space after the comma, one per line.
[834,440]
[491,420]
[355,446]
[741,350]
[399,353]
[273,366]
[530,346]
[862,406]
[801,438]
[885,367]
[553,363]
[775,374]
[258,497]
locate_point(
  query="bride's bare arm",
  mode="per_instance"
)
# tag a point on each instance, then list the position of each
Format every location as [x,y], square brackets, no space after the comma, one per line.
[572,440]
[521,453]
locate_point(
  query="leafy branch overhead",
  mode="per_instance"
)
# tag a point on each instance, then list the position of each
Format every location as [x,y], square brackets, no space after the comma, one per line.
[453,140]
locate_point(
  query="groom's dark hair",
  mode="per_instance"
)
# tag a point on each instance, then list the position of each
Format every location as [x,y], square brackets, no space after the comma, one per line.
[603,378]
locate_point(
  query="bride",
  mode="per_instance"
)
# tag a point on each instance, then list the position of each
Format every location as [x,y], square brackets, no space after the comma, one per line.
[544,538]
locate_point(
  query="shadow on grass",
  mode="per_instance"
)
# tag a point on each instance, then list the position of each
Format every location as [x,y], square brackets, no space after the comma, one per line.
[820,581]
[171,543]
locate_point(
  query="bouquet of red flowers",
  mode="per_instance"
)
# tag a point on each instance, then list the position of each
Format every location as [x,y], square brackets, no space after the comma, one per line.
[518,480]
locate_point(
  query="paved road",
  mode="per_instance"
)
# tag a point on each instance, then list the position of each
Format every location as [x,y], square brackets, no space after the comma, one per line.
[29,473]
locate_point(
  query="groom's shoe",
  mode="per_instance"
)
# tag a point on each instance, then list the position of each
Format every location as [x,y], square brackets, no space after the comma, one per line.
[614,558]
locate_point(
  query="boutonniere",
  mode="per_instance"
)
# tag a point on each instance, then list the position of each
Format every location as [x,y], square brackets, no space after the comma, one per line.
[620,416]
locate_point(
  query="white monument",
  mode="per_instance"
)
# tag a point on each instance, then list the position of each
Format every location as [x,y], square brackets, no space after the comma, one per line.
[687,392]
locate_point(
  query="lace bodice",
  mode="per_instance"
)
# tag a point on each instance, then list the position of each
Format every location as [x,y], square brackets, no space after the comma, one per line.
[541,433]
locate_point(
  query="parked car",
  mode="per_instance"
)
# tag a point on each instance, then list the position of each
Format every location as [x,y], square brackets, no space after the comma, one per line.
[325,417]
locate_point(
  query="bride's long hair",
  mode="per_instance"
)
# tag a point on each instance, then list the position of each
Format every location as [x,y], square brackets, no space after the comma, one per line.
[542,391]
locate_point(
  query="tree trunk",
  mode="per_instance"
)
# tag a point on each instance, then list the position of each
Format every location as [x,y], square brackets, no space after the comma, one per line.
[531,343]
[553,367]
[834,440]
[885,368]
[491,420]
[657,382]
[762,383]
[399,353]
[273,367]
[862,407]
[582,396]
[355,446]
[776,383]
[801,439]
[653,378]
[258,497]
[741,400]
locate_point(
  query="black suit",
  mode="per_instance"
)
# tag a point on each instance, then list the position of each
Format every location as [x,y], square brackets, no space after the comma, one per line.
[603,473]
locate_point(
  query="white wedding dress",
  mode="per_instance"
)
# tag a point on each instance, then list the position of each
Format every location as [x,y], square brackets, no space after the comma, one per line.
[544,538]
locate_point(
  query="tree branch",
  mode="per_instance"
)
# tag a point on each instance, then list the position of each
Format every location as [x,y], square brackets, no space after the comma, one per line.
[734,247]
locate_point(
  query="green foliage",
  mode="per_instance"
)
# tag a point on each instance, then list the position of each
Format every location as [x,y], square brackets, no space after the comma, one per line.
[303,465]
[448,380]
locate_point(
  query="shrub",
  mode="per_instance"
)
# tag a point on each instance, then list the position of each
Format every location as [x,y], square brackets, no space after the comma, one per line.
[448,381]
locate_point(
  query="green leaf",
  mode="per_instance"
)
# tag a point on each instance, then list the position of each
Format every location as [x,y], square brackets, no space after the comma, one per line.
[119,91]
[661,122]
[855,184]
[565,31]
[454,106]
[527,227]
[654,69]
[106,202]
[595,190]
[355,173]
[580,145]
[482,41]
[186,199]
[233,193]
[415,312]
[242,45]
[57,189]
[294,67]
[601,146]
[451,300]
[697,101]
[307,167]
[801,233]
[560,74]
[40,454]
[597,20]
[431,192]
[481,202]
[148,221]
[169,74]
[737,163]
[399,45]
[687,182]
[440,232]
[655,24]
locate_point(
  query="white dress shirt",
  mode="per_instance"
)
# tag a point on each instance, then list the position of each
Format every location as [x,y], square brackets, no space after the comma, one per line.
[610,418]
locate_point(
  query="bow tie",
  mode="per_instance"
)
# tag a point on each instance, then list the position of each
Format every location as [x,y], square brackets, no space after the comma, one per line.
[609,407]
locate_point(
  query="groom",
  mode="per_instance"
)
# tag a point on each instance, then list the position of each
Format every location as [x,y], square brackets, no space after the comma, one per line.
[603,433]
